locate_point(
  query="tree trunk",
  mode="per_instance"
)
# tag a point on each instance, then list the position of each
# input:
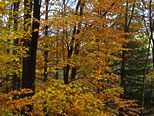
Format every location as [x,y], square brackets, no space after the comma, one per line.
[70,51]
[144,76]
[8,50]
[124,53]
[29,64]
[126,29]
[26,60]
[16,79]
[76,48]
[46,52]
[151,38]
[123,65]
[151,27]
[34,42]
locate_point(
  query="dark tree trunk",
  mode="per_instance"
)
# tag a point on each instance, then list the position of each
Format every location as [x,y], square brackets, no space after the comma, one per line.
[57,60]
[151,27]
[16,79]
[45,65]
[70,51]
[124,53]
[126,30]
[144,77]
[123,70]
[34,41]
[8,51]
[29,64]
[76,48]
[26,60]
[46,52]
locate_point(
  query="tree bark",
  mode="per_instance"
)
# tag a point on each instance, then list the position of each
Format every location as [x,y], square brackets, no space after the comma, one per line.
[34,42]
[29,63]
[46,52]
[144,76]
[123,65]
[26,60]
[70,51]
[16,79]
[126,29]
[124,52]
[151,28]
[76,48]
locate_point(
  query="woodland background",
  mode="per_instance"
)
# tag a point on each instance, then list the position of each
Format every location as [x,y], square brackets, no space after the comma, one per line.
[76,58]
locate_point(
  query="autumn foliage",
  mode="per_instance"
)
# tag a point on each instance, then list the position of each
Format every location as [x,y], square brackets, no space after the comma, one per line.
[77,53]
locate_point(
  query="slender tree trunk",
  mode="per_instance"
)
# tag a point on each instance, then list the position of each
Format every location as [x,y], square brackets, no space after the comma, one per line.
[64,68]
[70,51]
[124,53]
[151,38]
[151,90]
[16,79]
[8,50]
[144,76]
[151,27]
[46,52]
[76,48]
[57,77]
[67,68]
[126,29]
[123,70]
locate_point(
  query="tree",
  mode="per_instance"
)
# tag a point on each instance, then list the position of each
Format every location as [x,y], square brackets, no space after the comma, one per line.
[126,30]
[16,79]
[29,63]
[46,34]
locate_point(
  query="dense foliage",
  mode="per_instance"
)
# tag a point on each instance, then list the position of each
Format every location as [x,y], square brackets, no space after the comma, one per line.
[75,57]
